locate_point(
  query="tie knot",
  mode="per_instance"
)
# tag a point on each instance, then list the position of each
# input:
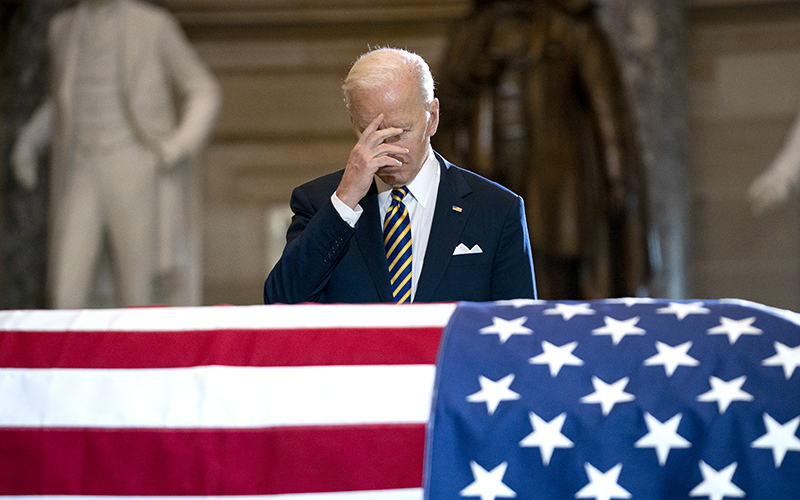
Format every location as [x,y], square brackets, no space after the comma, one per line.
[399,193]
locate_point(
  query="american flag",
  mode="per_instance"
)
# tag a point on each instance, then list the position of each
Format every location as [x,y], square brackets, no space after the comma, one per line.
[292,402]
[616,399]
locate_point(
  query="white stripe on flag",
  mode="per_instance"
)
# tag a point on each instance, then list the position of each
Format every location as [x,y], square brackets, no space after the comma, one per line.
[228,317]
[216,396]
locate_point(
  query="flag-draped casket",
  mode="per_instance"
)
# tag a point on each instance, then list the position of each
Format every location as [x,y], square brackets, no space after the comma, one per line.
[627,398]
[217,401]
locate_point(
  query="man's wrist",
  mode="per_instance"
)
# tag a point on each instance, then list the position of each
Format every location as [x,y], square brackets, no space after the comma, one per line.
[349,215]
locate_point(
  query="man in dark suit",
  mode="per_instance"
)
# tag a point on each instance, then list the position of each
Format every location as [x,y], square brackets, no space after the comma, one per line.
[468,235]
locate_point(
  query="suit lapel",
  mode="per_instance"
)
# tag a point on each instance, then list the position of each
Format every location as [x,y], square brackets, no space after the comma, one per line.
[370,240]
[446,229]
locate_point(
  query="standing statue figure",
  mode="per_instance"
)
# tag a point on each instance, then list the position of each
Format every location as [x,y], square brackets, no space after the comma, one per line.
[130,105]
[537,105]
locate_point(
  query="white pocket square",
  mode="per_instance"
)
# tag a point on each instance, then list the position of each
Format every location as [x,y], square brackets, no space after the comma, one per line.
[462,249]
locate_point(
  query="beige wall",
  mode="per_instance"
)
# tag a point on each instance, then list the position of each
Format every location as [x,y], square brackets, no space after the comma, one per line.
[744,93]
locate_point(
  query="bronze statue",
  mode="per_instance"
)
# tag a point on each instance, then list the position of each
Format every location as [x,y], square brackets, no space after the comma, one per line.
[535,102]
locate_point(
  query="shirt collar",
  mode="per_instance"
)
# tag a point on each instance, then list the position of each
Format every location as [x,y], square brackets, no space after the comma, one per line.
[423,183]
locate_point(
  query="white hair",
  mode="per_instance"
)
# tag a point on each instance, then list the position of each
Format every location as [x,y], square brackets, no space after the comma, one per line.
[383,66]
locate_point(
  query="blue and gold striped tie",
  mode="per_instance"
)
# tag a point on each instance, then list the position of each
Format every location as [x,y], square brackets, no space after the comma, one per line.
[397,238]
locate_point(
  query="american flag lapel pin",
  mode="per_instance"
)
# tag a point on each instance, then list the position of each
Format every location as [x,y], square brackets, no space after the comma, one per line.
[456,209]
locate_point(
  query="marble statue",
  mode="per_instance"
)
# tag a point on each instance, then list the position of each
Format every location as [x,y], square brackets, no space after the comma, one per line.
[129,108]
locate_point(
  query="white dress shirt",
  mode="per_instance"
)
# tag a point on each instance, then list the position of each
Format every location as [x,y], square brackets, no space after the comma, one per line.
[421,204]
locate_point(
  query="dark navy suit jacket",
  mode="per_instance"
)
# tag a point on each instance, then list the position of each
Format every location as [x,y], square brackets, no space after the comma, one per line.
[325,260]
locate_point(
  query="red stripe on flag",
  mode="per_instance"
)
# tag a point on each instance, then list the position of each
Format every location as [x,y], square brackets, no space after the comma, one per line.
[210,462]
[311,347]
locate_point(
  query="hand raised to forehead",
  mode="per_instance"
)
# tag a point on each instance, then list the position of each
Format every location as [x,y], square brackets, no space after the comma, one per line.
[370,153]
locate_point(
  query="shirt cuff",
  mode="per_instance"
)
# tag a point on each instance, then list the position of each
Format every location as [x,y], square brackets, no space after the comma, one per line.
[347,214]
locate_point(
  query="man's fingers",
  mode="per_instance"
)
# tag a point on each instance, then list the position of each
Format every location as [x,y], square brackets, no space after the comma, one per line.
[389,149]
[371,128]
[385,133]
[372,144]
[386,161]
[373,135]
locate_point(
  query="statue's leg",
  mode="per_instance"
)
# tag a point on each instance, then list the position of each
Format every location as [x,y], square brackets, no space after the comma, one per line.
[129,197]
[77,239]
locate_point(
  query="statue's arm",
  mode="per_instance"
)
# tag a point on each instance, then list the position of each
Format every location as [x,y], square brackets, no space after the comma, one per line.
[773,185]
[34,137]
[601,80]
[198,89]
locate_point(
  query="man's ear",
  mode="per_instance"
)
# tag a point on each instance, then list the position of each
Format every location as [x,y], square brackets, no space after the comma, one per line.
[433,119]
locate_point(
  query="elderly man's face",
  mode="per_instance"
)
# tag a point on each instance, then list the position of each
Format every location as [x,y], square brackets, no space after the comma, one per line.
[402,107]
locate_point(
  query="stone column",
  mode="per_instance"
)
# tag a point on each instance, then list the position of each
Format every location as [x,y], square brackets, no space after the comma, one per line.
[648,36]
[24,246]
